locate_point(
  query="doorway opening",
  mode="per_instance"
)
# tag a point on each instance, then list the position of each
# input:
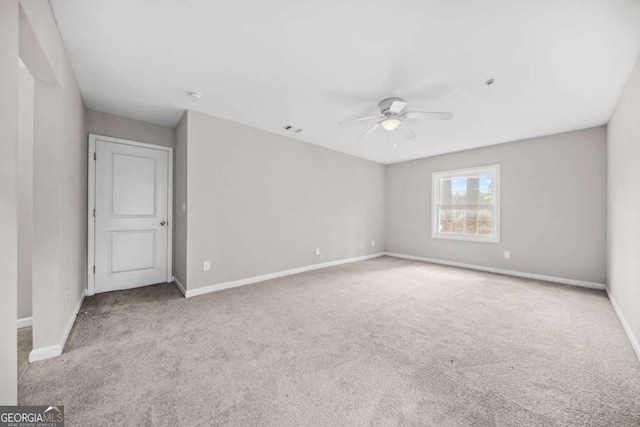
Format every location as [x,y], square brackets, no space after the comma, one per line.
[130,205]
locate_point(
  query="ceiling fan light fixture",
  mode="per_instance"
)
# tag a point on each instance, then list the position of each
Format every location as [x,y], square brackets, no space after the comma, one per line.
[390,124]
[392,115]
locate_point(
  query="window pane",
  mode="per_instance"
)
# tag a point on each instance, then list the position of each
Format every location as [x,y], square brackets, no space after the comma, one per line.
[470,226]
[458,188]
[457,220]
[484,227]
[485,193]
[485,213]
[445,220]
[445,192]
[473,186]
[470,220]
[471,213]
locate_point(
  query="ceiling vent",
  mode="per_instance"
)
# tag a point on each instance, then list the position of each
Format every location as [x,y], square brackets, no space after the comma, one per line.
[292,129]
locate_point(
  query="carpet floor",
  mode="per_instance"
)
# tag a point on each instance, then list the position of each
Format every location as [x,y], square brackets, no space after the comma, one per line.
[25,344]
[378,342]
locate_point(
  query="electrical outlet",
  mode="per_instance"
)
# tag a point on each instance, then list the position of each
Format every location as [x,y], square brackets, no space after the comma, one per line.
[373,243]
[206,266]
[507,254]
[317,251]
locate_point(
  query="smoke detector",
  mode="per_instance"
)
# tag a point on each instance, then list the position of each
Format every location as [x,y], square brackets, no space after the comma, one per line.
[195,95]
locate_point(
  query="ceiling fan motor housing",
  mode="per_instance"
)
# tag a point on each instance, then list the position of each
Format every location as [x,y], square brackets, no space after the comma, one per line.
[385,104]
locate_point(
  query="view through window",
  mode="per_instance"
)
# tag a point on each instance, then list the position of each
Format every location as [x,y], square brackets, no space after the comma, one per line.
[466,204]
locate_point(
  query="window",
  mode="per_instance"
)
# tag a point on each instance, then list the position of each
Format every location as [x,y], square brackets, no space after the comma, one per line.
[466,204]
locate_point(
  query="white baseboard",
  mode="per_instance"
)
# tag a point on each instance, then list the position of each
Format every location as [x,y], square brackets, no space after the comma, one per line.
[72,320]
[44,353]
[573,282]
[250,280]
[50,351]
[625,325]
[25,322]
[180,286]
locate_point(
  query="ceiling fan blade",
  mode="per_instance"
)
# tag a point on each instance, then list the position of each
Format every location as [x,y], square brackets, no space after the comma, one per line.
[408,131]
[397,107]
[369,131]
[362,118]
[427,115]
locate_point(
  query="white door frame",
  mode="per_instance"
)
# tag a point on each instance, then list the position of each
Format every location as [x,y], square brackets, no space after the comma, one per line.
[91,224]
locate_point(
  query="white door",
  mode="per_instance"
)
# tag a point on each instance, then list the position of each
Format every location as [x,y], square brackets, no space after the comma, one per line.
[131,216]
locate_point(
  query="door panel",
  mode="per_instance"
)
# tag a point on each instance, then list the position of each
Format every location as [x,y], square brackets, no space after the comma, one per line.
[134,180]
[132,250]
[131,225]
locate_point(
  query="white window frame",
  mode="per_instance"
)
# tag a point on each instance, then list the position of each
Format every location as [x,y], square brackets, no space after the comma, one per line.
[437,177]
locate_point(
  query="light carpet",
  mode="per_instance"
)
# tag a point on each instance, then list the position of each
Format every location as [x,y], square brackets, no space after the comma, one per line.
[25,344]
[378,342]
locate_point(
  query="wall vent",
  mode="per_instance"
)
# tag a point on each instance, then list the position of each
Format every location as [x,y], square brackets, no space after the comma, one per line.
[292,129]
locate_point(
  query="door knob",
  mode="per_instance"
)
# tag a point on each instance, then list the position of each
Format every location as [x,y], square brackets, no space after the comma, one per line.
[163,223]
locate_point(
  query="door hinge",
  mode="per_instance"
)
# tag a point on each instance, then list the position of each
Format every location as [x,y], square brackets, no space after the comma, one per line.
[94,269]
[94,156]
[94,213]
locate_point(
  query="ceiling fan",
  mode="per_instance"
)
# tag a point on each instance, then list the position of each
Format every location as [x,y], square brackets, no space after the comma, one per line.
[393,116]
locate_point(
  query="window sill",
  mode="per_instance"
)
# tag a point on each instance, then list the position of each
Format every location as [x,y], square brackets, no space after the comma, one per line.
[484,239]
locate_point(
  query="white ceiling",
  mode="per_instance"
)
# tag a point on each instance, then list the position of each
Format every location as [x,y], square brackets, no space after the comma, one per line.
[558,65]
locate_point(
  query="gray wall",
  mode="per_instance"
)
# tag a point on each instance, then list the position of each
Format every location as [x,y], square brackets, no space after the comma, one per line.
[25,192]
[553,197]
[261,203]
[8,199]
[180,198]
[623,228]
[106,124]
[59,179]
